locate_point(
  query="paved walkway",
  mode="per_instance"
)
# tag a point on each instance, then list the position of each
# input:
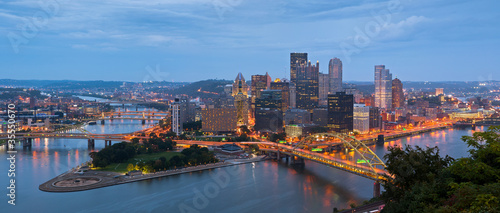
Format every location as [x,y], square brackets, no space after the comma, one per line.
[113,178]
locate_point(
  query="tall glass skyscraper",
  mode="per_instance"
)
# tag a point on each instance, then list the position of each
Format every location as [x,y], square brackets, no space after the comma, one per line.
[340,112]
[335,75]
[307,86]
[259,84]
[296,58]
[383,87]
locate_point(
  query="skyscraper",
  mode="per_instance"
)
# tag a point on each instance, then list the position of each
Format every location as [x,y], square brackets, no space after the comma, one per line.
[398,97]
[383,87]
[271,99]
[335,74]
[323,88]
[296,58]
[268,114]
[361,118]
[340,112]
[284,86]
[375,119]
[240,94]
[307,86]
[259,83]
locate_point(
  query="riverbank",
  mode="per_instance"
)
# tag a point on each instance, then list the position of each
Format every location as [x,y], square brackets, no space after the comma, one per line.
[93,179]
[373,140]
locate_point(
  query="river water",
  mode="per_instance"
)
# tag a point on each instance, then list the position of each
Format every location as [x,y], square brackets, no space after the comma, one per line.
[267,186]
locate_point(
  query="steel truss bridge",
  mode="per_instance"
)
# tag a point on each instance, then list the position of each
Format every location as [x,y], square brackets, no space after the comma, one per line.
[372,167]
[131,115]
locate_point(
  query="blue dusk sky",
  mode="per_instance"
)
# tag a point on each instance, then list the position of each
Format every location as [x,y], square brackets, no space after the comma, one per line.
[191,40]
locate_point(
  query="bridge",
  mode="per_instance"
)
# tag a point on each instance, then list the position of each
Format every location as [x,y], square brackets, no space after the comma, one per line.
[130,115]
[367,164]
[372,167]
[27,138]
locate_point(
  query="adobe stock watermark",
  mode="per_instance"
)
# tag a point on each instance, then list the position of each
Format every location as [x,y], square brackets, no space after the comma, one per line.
[155,74]
[220,180]
[363,37]
[223,6]
[32,26]
[11,153]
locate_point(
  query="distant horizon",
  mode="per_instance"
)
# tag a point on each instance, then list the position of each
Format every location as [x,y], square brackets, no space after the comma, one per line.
[348,81]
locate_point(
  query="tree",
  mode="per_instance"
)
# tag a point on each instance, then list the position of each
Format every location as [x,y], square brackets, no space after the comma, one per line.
[244,130]
[277,137]
[412,171]
[130,167]
[422,181]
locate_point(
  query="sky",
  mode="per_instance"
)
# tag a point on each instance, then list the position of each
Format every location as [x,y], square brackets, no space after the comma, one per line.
[192,40]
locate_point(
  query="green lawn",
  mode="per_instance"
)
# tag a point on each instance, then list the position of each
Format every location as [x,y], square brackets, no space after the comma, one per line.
[122,167]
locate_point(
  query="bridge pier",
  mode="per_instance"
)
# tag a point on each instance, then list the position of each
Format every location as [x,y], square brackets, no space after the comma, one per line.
[380,140]
[297,160]
[27,142]
[143,122]
[91,143]
[103,122]
[473,127]
[376,189]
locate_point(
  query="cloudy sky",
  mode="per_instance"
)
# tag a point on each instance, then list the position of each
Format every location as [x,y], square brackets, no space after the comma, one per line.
[190,40]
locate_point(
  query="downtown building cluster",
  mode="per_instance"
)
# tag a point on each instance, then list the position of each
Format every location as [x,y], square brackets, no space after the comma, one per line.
[311,101]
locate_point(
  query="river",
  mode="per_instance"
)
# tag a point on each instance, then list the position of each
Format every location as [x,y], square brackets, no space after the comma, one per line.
[267,186]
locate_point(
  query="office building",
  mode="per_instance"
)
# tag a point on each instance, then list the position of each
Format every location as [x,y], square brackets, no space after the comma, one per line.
[323,88]
[398,96]
[320,117]
[259,83]
[295,60]
[284,87]
[307,86]
[293,96]
[240,94]
[219,120]
[375,119]
[383,87]
[335,74]
[269,99]
[268,120]
[361,118]
[297,116]
[439,91]
[340,112]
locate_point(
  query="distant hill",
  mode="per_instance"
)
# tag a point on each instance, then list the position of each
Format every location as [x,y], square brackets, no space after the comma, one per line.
[28,83]
[203,89]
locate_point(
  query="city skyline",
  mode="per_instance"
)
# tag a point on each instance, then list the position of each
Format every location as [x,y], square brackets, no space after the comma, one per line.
[160,41]
[222,106]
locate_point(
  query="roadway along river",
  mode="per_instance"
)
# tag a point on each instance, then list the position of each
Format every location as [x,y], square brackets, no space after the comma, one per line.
[266,186]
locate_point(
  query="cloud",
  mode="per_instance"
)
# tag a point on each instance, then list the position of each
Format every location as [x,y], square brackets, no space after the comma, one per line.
[403,28]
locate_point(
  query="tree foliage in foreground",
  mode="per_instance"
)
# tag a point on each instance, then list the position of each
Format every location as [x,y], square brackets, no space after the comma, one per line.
[423,181]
